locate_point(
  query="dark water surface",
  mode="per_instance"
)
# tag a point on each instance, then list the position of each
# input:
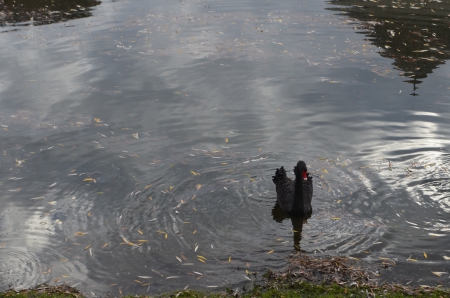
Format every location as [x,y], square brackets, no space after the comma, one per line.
[138,140]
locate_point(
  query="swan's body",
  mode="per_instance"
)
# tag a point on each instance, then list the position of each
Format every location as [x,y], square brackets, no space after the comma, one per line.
[294,196]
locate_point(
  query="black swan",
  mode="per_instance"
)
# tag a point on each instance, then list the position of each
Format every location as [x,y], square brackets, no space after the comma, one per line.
[294,197]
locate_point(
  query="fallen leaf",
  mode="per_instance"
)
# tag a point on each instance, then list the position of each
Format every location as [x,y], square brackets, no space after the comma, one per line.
[439,273]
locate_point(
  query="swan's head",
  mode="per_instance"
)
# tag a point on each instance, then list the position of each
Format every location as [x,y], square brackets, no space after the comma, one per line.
[301,170]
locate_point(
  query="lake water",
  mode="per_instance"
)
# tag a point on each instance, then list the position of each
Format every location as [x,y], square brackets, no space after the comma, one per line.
[139,138]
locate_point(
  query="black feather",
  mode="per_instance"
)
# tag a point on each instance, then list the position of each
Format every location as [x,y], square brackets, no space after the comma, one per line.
[294,196]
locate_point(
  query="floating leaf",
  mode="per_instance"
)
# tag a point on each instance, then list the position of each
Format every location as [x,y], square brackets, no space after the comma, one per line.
[198,186]
[97,120]
[80,233]
[325,171]
[446,258]
[140,232]
[106,244]
[439,273]
[411,260]
[89,180]
[425,255]
[179,260]
[226,140]
[271,251]
[335,218]
[142,240]
[229,259]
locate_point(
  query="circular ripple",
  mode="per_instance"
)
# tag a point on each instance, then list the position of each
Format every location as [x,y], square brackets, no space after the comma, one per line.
[20,269]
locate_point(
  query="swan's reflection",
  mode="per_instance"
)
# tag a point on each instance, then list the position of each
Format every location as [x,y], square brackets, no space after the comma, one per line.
[297,223]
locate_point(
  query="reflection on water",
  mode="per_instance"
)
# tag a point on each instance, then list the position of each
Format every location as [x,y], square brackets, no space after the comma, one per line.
[41,12]
[138,147]
[297,223]
[413,34]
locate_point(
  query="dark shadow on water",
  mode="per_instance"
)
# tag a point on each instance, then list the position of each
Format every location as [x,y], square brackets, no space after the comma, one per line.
[297,223]
[42,12]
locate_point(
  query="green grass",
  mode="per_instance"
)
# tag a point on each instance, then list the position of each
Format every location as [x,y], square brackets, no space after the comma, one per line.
[278,289]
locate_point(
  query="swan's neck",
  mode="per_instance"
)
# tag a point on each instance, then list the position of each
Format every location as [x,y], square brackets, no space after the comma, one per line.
[299,191]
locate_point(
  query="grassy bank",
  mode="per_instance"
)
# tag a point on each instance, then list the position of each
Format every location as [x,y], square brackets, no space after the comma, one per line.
[305,277]
[287,291]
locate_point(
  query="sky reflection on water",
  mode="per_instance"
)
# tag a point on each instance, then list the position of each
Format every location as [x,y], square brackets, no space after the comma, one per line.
[142,137]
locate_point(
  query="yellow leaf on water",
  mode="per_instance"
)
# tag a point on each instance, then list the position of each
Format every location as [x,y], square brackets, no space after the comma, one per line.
[142,240]
[165,236]
[198,186]
[89,180]
[89,213]
[439,273]
[87,247]
[140,232]
[425,255]
[193,197]
[325,171]
[148,186]
[229,259]
[106,244]
[339,201]
[201,257]
[226,140]
[411,260]
[80,233]
[193,233]
[271,251]
[335,218]
[194,173]
[97,120]
[365,167]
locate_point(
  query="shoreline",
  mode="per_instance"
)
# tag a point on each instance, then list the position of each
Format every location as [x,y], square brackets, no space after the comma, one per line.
[331,276]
